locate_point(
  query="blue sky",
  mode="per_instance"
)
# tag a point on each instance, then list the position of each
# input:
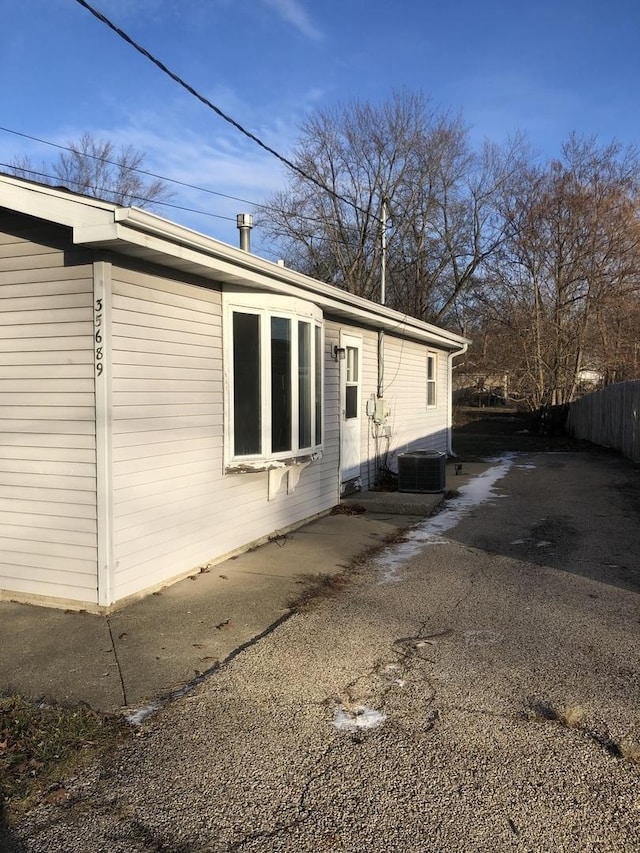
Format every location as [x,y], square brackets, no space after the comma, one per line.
[545,67]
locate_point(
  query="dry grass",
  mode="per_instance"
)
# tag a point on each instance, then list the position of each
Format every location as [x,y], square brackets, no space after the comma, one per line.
[630,751]
[41,745]
[317,588]
[570,716]
[348,509]
[574,717]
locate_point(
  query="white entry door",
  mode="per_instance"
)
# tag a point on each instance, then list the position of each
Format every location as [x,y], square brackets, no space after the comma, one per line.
[350,409]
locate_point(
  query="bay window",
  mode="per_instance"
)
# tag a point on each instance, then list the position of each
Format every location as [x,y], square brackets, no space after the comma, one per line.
[274,379]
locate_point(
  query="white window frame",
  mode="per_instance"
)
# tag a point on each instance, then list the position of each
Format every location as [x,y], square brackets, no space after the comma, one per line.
[432,383]
[265,306]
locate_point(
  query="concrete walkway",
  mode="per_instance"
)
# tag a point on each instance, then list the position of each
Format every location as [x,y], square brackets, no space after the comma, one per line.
[153,647]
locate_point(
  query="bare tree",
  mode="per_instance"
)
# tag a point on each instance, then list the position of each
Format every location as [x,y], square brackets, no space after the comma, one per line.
[441,200]
[567,271]
[94,167]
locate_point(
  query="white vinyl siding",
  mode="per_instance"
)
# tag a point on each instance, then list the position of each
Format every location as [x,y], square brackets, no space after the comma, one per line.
[174,507]
[48,535]
[330,467]
[414,423]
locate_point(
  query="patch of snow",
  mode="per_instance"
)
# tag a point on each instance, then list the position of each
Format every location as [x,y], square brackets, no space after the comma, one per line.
[138,717]
[431,531]
[360,717]
[543,544]
[527,466]
[519,541]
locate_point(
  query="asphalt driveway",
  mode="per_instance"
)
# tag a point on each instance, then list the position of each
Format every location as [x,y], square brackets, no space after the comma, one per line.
[476,688]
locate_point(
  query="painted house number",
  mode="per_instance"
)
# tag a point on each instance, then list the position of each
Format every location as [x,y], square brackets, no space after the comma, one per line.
[98,337]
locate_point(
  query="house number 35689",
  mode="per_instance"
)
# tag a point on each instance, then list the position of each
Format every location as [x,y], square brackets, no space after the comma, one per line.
[98,337]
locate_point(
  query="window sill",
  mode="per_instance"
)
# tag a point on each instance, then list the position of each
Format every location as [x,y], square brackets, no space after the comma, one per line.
[250,466]
[277,470]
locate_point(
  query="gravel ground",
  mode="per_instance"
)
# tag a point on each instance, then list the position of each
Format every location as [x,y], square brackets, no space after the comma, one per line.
[527,606]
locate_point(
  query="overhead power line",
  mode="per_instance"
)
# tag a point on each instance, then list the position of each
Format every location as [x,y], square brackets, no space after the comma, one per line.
[16,167]
[177,79]
[109,191]
[133,169]
[164,178]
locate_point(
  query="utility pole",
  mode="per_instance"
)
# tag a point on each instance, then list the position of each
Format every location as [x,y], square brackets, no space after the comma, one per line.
[383,285]
[383,248]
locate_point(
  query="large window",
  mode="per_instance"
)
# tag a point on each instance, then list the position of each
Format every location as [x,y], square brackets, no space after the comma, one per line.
[274,349]
[432,366]
[247,426]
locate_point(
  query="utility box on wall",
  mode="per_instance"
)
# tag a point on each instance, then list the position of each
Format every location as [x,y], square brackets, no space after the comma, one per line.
[422,471]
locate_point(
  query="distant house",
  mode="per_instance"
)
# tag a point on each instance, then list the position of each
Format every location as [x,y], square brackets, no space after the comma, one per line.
[589,379]
[167,400]
[480,389]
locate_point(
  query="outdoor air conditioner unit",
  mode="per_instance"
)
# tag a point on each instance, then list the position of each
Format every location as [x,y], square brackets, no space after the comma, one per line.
[422,471]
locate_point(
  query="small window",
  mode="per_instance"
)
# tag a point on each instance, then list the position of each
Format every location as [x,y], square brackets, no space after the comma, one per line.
[432,372]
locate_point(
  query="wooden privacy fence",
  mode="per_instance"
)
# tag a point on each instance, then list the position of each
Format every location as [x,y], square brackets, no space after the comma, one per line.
[610,417]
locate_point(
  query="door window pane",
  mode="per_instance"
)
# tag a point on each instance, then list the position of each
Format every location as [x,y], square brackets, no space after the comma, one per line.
[247,421]
[304,384]
[351,402]
[352,364]
[280,384]
[351,389]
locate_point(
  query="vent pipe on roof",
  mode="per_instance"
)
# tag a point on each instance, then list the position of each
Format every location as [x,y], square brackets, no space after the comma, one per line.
[244,222]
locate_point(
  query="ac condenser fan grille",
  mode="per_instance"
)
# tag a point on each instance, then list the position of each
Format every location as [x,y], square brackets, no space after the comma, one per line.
[422,471]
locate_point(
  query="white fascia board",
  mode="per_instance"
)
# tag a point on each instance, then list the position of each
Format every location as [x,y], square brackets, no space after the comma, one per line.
[104,232]
[52,205]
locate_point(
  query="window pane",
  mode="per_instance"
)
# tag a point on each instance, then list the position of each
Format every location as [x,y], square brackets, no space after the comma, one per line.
[351,401]
[431,380]
[304,384]
[352,364]
[280,384]
[247,423]
[318,385]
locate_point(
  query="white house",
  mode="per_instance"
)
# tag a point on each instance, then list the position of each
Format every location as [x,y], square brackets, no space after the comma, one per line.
[167,400]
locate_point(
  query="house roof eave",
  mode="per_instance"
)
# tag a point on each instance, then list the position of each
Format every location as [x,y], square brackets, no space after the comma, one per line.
[234,266]
[138,233]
